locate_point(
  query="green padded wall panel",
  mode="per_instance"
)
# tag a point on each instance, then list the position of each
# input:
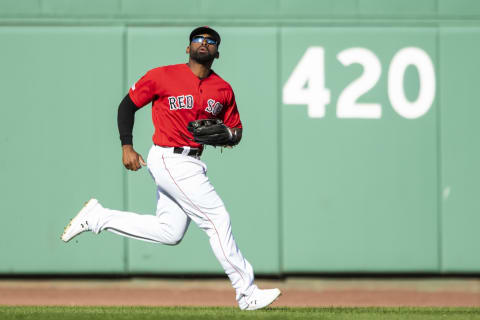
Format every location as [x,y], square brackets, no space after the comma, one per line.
[154,8]
[459,50]
[17,8]
[358,194]
[60,145]
[312,8]
[397,8]
[93,8]
[459,7]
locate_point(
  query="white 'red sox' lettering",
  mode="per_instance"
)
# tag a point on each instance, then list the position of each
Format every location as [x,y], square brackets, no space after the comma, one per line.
[180,102]
[213,107]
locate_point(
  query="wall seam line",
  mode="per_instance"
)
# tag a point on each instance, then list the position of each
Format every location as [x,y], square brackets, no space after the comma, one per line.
[439,162]
[126,204]
[279,153]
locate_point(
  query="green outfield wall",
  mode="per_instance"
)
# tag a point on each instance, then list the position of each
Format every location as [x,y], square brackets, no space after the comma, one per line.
[359,153]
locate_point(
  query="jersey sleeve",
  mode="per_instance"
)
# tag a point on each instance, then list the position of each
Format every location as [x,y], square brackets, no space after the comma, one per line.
[231,116]
[143,91]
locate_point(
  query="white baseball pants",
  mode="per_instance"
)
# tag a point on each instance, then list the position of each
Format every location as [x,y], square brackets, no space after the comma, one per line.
[184,193]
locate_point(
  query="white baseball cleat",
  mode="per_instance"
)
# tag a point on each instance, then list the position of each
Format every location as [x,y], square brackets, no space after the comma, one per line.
[259,299]
[82,221]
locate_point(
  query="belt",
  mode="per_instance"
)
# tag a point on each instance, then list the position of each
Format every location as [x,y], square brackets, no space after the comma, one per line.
[193,152]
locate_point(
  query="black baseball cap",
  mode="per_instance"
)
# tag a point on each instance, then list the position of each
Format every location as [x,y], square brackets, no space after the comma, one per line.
[205,30]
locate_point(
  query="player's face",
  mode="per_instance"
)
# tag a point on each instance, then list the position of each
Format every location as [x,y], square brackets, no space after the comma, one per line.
[203,48]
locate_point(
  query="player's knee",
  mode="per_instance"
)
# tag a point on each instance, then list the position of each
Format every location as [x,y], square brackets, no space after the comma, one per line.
[174,242]
[174,238]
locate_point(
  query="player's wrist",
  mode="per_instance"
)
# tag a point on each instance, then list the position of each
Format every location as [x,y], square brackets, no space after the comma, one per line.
[126,139]
[127,147]
[230,133]
[234,136]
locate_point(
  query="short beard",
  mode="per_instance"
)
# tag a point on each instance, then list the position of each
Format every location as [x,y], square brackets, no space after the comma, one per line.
[202,58]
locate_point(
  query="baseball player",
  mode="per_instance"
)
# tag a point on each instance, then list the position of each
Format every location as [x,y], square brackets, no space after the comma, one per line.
[191,107]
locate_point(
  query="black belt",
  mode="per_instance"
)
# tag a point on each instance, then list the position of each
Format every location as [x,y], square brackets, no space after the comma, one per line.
[194,152]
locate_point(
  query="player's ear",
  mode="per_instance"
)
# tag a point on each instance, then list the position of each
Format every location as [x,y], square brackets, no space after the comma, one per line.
[188,50]
[217,55]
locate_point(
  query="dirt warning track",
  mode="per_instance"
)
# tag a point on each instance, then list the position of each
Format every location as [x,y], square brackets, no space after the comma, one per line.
[296,292]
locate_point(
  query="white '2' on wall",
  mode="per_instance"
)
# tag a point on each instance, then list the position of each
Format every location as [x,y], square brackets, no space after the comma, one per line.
[306,84]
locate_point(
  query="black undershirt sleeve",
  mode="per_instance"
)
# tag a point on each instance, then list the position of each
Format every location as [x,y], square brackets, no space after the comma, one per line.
[125,119]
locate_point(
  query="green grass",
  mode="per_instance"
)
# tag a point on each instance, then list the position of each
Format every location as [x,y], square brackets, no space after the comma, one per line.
[158,313]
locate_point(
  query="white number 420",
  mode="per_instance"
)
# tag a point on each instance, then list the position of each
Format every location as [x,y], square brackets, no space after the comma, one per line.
[306,84]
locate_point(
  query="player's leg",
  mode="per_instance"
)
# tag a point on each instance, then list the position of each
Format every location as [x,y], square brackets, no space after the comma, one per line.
[168,226]
[184,178]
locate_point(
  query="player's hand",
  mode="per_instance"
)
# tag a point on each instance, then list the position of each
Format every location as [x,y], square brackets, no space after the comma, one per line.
[131,159]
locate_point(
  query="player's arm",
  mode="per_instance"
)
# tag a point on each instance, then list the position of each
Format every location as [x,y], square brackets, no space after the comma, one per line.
[125,120]
[231,118]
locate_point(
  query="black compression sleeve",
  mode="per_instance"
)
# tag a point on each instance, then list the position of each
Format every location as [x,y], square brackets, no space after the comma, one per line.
[125,119]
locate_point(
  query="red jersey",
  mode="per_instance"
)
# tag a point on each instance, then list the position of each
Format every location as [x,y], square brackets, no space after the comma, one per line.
[178,97]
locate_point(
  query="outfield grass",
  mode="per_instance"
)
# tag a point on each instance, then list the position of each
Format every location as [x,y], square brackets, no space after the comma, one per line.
[141,313]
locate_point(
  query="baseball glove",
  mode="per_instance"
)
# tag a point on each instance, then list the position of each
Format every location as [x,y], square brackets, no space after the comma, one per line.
[210,131]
